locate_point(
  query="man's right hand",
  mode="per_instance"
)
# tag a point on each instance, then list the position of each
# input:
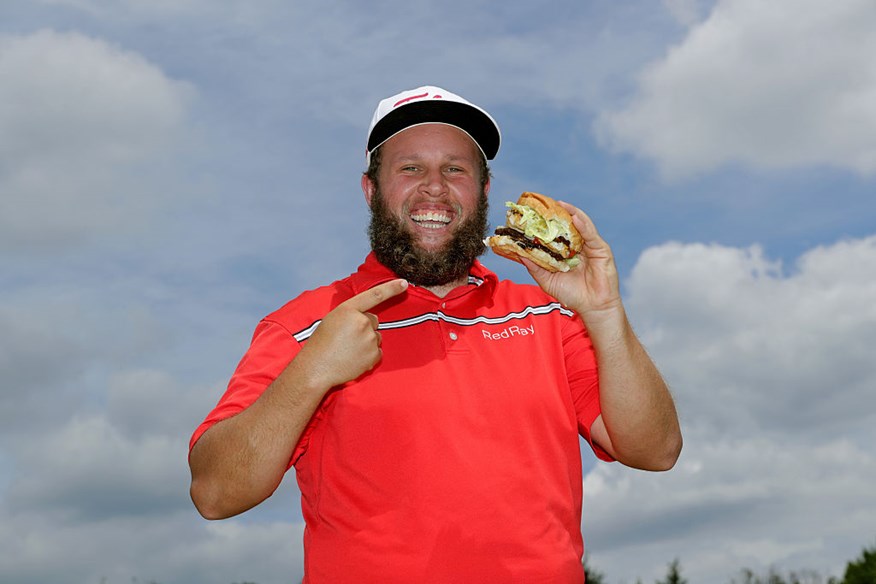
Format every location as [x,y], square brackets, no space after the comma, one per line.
[346,343]
[241,460]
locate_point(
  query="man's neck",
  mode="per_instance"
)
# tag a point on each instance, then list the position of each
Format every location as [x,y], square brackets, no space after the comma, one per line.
[443,290]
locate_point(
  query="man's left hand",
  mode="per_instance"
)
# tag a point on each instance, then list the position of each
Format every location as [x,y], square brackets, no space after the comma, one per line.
[591,288]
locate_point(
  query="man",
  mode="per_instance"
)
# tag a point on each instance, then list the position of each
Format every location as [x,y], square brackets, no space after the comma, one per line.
[432,412]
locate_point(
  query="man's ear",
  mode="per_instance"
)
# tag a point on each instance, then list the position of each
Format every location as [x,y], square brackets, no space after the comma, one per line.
[487,188]
[367,188]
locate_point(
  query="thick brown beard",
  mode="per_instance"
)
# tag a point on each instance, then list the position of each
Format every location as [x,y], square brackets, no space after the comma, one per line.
[395,247]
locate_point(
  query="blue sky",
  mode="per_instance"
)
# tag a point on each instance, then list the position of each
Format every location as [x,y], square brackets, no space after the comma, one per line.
[171,171]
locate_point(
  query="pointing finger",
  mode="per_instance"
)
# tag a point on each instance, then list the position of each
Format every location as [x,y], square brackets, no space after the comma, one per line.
[370,298]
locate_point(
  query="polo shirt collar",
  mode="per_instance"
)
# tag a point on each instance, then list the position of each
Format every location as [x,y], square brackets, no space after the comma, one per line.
[372,273]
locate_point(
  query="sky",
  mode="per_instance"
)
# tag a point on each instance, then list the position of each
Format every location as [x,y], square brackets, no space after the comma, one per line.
[173,170]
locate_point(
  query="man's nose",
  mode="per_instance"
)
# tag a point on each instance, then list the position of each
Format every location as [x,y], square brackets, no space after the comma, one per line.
[434,182]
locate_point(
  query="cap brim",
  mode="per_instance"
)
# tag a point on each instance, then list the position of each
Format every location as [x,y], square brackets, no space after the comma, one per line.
[471,120]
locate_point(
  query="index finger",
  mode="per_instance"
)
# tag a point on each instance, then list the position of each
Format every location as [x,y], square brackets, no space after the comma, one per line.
[370,298]
[584,224]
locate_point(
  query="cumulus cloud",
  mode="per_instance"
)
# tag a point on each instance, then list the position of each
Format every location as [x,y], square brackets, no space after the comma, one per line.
[42,547]
[759,338]
[733,502]
[103,494]
[88,469]
[773,373]
[25,344]
[80,120]
[768,85]
[60,340]
[110,360]
[685,12]
[120,452]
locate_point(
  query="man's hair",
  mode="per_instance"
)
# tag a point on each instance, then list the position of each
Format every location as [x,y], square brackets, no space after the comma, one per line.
[373,170]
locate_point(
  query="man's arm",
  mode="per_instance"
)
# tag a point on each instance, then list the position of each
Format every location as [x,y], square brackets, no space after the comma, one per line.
[638,425]
[240,461]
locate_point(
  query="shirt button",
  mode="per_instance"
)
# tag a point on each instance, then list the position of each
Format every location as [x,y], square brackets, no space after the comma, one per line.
[453,336]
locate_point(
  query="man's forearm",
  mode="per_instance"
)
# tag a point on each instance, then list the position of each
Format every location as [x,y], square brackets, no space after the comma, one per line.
[637,408]
[240,461]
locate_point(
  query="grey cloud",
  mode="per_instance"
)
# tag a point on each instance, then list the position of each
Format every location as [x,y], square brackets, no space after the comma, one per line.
[149,402]
[747,86]
[742,340]
[88,469]
[726,493]
[79,119]
[773,379]
[44,547]
[142,339]
[686,12]
[35,363]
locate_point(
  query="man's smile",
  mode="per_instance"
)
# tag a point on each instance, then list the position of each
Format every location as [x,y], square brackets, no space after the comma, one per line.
[431,219]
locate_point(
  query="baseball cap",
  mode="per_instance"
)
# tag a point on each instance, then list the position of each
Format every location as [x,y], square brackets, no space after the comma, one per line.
[432,105]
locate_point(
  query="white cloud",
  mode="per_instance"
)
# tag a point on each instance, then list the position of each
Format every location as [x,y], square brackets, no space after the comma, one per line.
[88,469]
[80,121]
[110,360]
[685,12]
[733,502]
[773,374]
[760,339]
[60,340]
[43,547]
[104,494]
[770,85]
[137,403]
[116,454]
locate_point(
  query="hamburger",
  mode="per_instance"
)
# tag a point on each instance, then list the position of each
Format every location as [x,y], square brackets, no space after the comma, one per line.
[539,229]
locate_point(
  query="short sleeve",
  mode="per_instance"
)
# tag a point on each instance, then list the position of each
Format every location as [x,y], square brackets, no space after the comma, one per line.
[583,376]
[272,348]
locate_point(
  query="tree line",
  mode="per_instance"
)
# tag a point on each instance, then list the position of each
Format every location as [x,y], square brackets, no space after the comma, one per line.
[861,570]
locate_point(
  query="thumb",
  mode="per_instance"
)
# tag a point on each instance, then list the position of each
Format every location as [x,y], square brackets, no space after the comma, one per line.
[536,271]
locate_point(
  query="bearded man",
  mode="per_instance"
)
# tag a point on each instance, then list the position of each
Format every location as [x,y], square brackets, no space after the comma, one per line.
[432,411]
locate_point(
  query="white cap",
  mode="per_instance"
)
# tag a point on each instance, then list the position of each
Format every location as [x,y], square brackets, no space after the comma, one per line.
[432,105]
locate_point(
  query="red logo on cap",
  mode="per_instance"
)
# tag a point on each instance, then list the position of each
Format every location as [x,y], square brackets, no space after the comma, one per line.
[413,97]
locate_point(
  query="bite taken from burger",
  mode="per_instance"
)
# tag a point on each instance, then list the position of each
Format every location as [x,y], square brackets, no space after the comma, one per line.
[539,229]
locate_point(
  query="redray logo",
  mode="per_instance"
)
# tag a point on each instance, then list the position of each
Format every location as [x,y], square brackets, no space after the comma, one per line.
[511,331]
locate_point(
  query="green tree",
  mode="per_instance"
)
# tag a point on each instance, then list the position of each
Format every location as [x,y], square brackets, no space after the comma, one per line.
[591,574]
[863,569]
[673,574]
[773,576]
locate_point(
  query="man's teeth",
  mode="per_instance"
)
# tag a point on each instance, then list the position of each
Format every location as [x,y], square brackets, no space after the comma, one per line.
[431,219]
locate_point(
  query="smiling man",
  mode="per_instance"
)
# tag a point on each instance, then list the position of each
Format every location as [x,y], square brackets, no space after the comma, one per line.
[428,207]
[432,411]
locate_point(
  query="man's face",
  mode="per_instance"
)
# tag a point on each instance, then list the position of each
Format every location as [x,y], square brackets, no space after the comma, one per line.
[428,210]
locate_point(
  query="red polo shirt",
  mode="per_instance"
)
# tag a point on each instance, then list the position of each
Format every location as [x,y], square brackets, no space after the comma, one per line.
[456,459]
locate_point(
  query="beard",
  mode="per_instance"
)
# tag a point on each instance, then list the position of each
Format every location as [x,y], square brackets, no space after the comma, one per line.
[396,248]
